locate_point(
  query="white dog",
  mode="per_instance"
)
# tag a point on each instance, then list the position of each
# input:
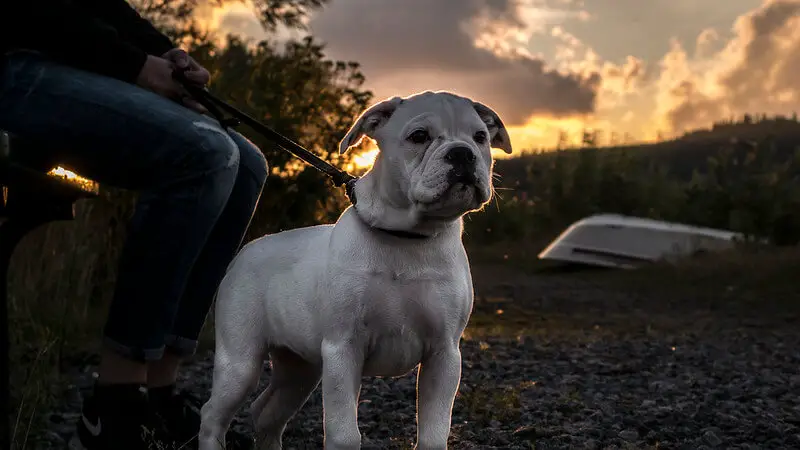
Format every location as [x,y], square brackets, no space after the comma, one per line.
[387,288]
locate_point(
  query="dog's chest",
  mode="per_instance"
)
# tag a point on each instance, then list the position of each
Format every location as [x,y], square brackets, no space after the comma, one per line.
[404,318]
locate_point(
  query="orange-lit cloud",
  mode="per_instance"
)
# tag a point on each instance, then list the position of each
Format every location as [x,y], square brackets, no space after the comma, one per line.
[475,47]
[753,72]
[551,67]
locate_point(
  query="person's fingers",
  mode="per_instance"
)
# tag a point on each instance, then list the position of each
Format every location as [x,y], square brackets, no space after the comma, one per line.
[186,99]
[176,91]
[182,60]
[179,57]
[200,77]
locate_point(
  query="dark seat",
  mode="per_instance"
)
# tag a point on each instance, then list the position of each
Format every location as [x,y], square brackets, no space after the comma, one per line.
[35,192]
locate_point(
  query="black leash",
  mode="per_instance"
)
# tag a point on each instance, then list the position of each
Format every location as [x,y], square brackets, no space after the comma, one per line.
[215,107]
[338,176]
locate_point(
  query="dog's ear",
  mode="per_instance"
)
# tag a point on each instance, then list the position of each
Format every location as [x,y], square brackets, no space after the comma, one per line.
[497,130]
[369,121]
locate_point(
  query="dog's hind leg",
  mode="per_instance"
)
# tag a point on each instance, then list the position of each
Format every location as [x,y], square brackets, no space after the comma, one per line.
[234,379]
[233,382]
[238,362]
[292,382]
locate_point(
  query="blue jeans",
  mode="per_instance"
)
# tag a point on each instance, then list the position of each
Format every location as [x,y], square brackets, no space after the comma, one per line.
[198,187]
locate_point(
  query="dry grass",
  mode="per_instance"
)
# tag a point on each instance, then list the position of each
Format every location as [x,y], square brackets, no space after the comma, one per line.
[60,280]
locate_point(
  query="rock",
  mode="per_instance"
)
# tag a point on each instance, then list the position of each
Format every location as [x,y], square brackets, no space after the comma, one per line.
[526,432]
[711,438]
[629,435]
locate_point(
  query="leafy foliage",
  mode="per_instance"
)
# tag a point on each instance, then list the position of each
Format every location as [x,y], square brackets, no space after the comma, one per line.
[293,88]
[174,17]
[290,13]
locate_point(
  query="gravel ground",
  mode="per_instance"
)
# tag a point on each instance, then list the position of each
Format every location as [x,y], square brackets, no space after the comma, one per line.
[559,361]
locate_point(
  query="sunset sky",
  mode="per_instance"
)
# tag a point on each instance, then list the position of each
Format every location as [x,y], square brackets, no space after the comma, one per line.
[624,66]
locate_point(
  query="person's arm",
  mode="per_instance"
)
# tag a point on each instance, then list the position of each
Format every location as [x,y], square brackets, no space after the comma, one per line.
[131,26]
[69,34]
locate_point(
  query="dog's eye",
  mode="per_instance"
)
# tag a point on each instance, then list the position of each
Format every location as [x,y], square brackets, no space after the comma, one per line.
[419,137]
[480,137]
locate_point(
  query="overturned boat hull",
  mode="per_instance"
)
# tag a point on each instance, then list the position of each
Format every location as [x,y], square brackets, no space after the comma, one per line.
[611,240]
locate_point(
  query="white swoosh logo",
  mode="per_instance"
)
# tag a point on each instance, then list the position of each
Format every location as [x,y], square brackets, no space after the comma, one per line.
[93,429]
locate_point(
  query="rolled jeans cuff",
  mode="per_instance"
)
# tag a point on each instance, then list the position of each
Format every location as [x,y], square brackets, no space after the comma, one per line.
[133,353]
[181,346]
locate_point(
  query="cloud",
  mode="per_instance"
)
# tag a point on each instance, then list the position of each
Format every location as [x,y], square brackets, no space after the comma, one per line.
[706,42]
[242,22]
[541,63]
[475,47]
[239,18]
[754,72]
[616,81]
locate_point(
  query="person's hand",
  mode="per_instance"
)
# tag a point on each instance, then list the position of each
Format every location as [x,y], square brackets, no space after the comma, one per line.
[191,69]
[156,76]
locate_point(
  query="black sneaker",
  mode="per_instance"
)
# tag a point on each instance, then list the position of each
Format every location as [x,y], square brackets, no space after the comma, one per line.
[179,414]
[116,417]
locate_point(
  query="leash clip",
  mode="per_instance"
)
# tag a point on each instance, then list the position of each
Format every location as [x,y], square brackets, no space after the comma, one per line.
[350,190]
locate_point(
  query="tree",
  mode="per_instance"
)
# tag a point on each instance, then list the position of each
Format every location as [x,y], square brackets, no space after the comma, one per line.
[291,13]
[563,140]
[305,97]
[295,90]
[627,138]
[597,137]
[588,138]
[175,16]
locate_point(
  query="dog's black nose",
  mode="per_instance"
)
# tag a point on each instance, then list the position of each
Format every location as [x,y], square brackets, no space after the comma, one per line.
[463,161]
[460,157]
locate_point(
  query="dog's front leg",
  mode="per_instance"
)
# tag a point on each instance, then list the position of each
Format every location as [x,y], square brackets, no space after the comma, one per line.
[341,379]
[437,384]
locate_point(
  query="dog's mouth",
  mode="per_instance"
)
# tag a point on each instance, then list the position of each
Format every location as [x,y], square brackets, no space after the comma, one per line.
[462,178]
[464,189]
[459,189]
[464,192]
[462,182]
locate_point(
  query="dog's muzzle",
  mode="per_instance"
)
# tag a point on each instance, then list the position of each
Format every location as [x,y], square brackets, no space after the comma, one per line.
[462,159]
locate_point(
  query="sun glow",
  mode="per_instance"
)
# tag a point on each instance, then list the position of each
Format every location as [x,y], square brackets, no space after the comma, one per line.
[365,158]
[74,179]
[539,132]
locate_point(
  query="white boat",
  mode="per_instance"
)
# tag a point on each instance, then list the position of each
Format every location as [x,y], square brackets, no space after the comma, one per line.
[612,240]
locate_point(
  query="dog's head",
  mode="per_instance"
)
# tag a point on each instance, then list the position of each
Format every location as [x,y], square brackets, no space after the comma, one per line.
[434,163]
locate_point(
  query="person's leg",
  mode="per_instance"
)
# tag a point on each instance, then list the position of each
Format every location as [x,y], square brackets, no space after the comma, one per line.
[223,244]
[182,163]
[181,412]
